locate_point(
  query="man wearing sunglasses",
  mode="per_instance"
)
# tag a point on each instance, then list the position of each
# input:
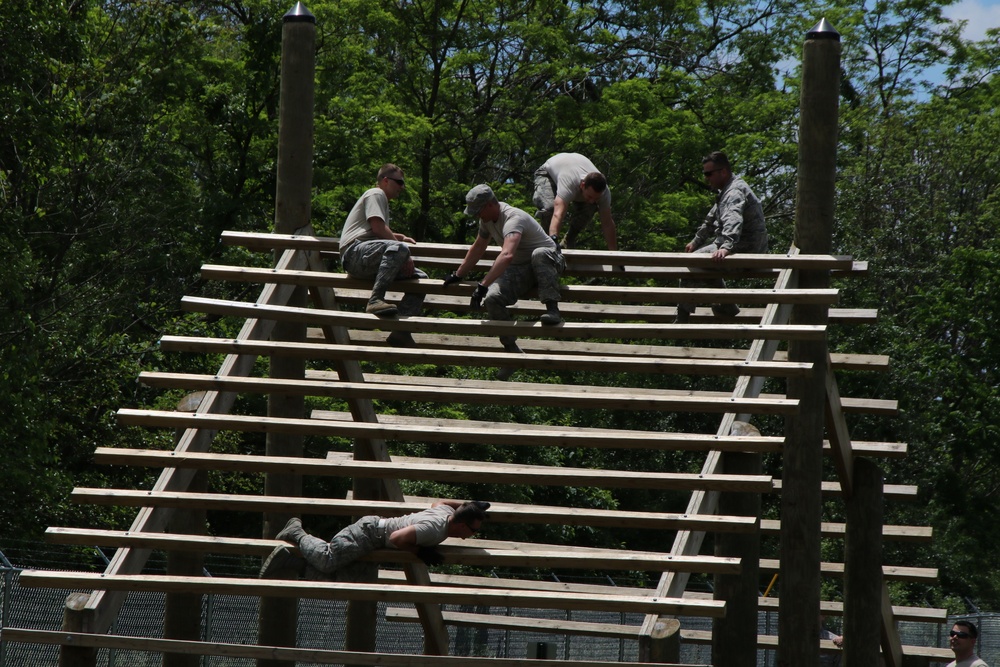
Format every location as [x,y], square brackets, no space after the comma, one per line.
[734,224]
[963,642]
[370,250]
[337,560]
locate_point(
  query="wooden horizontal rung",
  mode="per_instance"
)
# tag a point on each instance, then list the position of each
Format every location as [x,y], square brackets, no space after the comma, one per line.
[900,613]
[862,362]
[890,572]
[436,390]
[839,530]
[521,623]
[398,427]
[826,646]
[580,293]
[848,405]
[560,362]
[575,307]
[591,330]
[446,470]
[889,491]
[403,593]
[499,512]
[344,465]
[254,652]
[827,607]
[611,630]
[267,242]
[475,553]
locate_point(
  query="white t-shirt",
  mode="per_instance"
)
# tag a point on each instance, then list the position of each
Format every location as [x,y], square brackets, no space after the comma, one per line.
[373,204]
[514,220]
[431,525]
[567,170]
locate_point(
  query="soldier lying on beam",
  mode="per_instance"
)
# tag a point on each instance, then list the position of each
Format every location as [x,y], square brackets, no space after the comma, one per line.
[337,559]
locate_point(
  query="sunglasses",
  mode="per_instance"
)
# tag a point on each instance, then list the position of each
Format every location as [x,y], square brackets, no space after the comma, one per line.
[398,181]
[960,635]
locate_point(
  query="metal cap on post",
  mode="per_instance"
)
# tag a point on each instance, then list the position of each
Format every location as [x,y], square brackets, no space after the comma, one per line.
[823,30]
[299,13]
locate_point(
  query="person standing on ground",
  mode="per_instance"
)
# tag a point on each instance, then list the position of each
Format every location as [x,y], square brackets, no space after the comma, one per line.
[569,184]
[370,250]
[528,258]
[735,224]
[962,640]
[417,533]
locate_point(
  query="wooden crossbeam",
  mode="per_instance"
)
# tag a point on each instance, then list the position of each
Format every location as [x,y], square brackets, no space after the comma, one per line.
[628,331]
[476,553]
[827,607]
[555,362]
[499,512]
[459,293]
[849,405]
[610,630]
[890,491]
[344,465]
[470,344]
[529,306]
[500,434]
[889,572]
[437,390]
[291,655]
[921,534]
[268,242]
[588,293]
[326,590]
[540,434]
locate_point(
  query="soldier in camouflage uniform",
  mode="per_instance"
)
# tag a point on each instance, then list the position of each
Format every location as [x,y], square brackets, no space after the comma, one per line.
[370,250]
[337,559]
[528,258]
[735,224]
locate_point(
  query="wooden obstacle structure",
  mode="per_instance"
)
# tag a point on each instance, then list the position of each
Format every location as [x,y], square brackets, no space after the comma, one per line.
[623,329]
[773,361]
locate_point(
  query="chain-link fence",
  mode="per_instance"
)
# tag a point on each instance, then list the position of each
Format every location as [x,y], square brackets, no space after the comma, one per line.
[233,619]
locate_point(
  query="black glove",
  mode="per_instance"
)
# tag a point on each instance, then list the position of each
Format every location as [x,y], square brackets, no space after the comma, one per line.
[481,504]
[451,278]
[477,297]
[430,555]
[555,239]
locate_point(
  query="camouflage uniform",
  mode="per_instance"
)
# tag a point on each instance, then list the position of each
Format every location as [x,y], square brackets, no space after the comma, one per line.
[560,176]
[338,558]
[537,262]
[735,223]
[367,257]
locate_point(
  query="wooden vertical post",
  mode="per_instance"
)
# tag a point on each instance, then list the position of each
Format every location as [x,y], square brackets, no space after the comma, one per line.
[182,611]
[801,503]
[734,638]
[293,205]
[74,620]
[863,568]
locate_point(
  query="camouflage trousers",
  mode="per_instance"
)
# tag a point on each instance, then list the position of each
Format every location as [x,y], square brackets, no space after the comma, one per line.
[337,560]
[754,244]
[578,213]
[543,271]
[381,260]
